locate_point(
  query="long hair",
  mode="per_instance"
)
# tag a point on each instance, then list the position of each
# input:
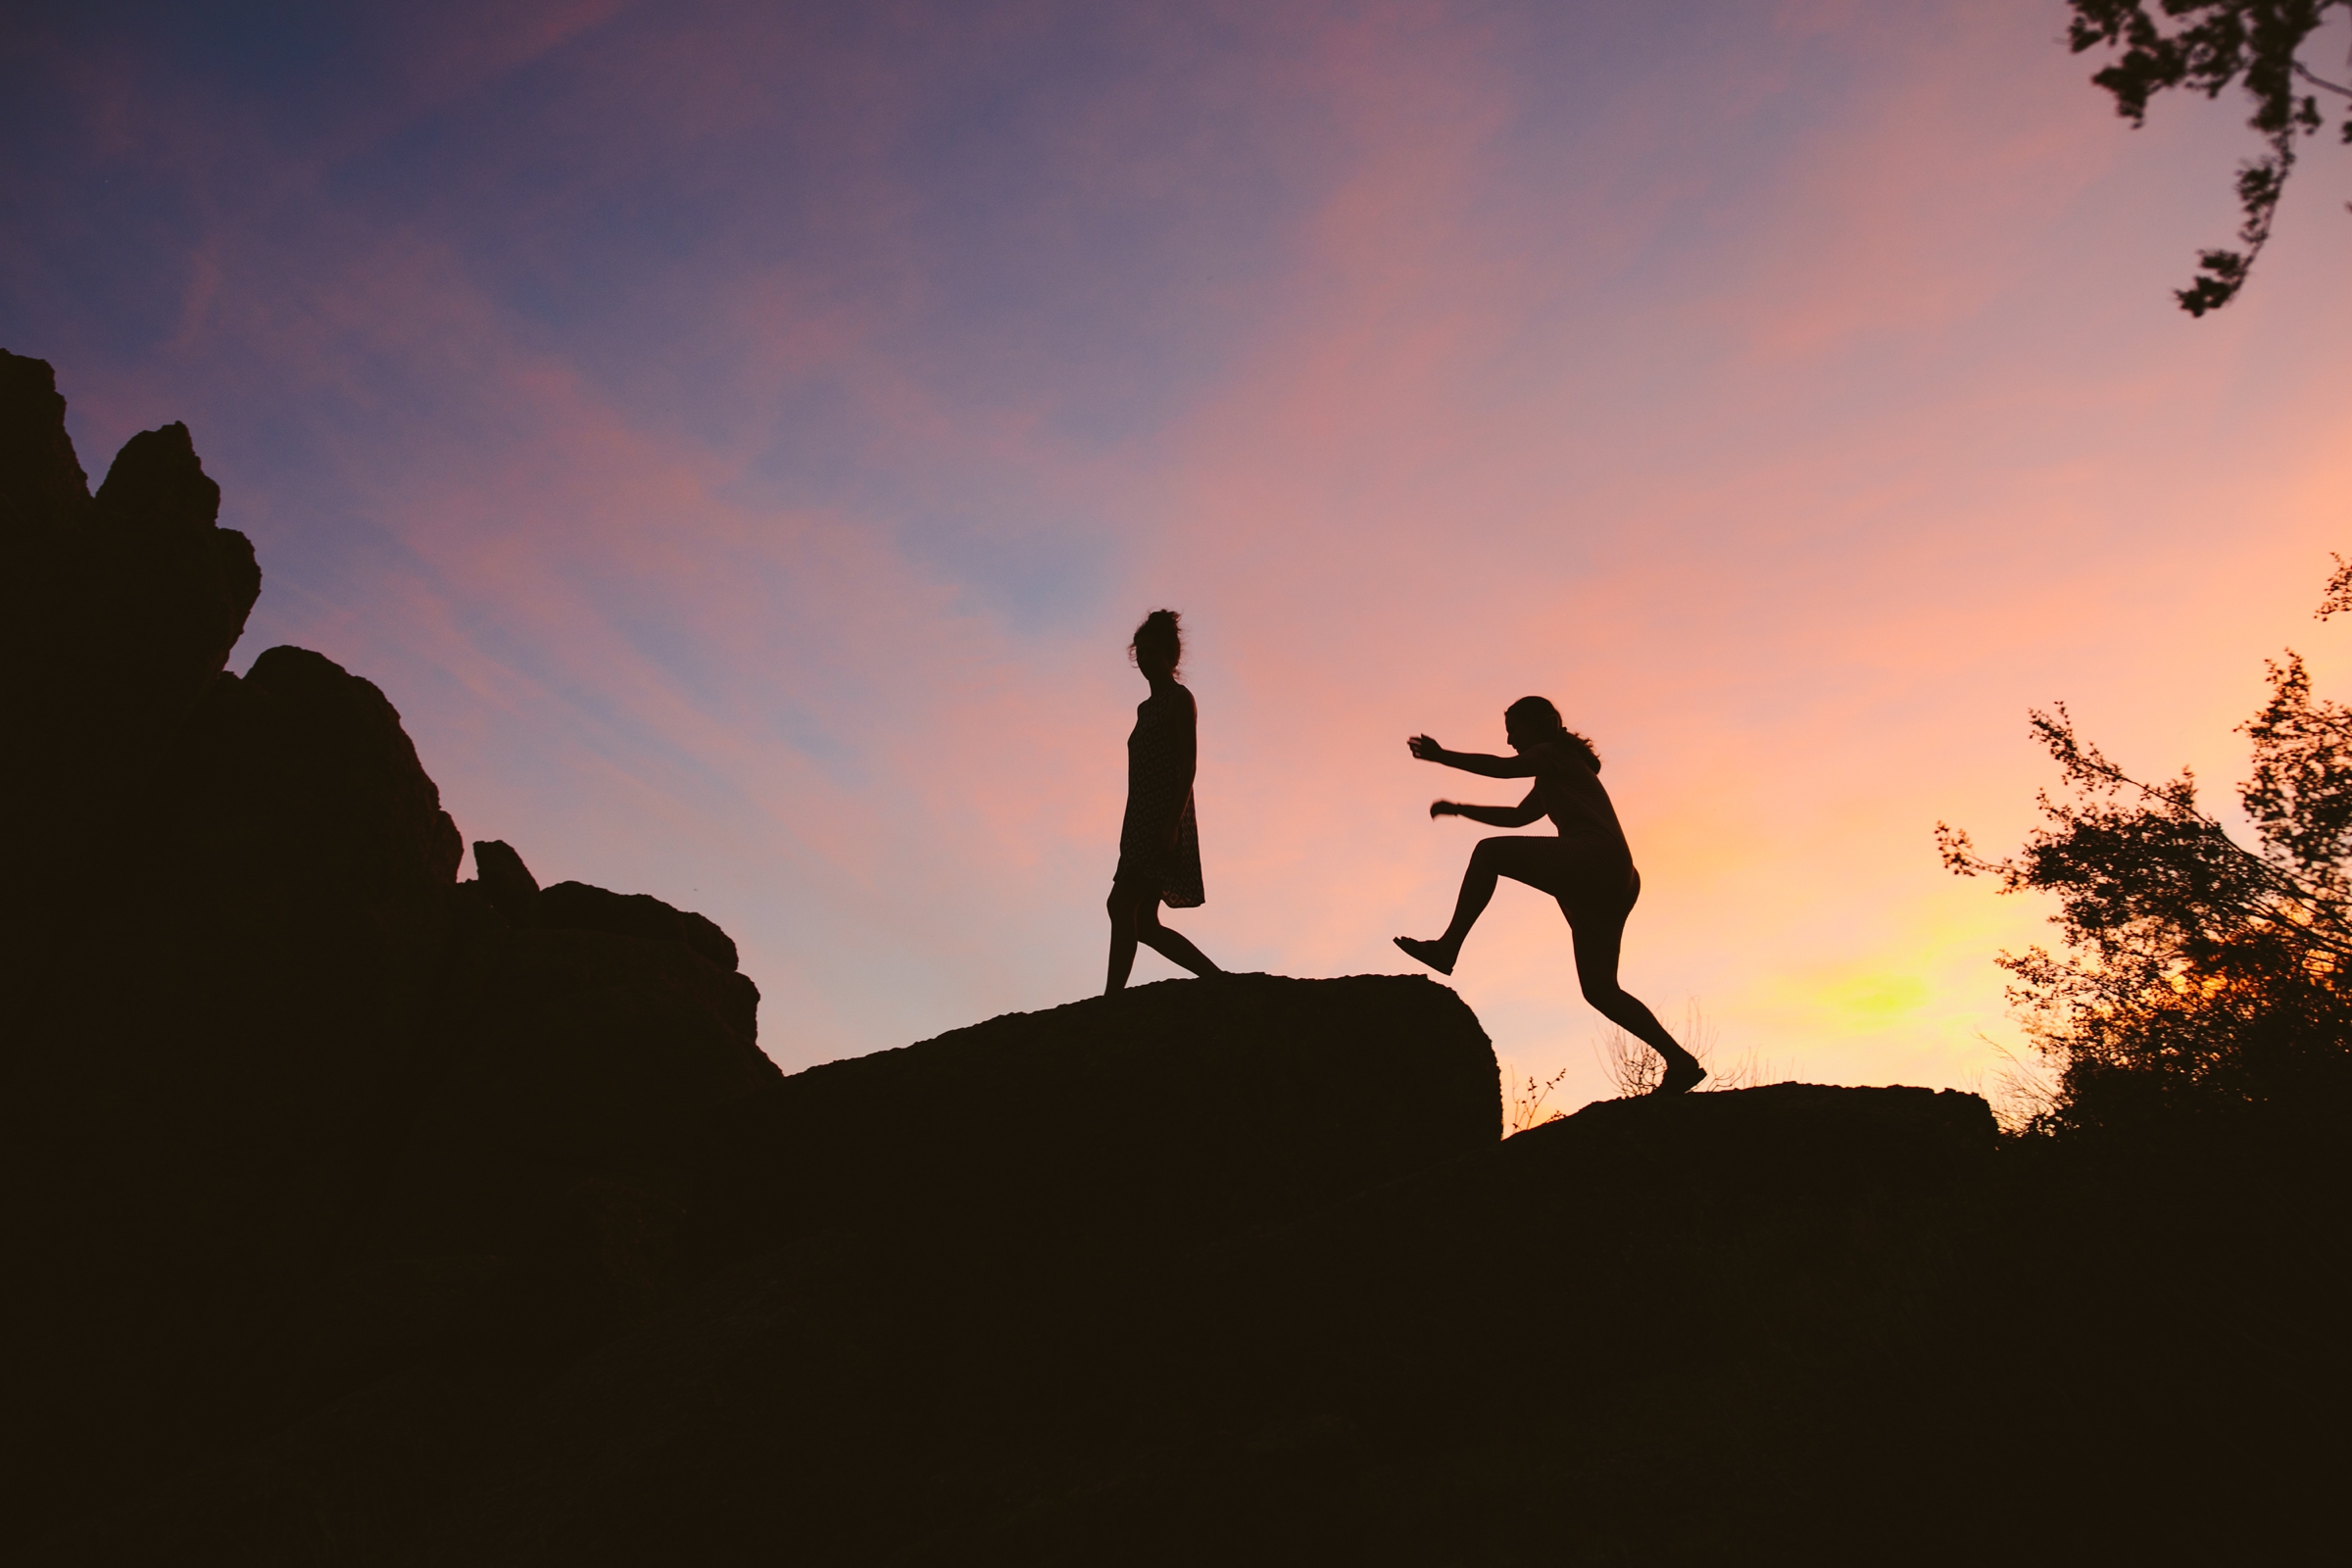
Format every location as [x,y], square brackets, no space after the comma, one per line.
[1161,630]
[1538,714]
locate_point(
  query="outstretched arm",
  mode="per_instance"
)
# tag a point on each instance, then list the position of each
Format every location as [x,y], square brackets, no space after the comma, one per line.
[1429,751]
[1519,816]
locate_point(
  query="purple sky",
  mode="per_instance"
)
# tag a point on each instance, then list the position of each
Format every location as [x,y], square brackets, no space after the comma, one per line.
[738,439]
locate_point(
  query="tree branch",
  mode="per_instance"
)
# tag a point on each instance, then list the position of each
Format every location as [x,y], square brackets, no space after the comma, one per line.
[2289,890]
[2303,71]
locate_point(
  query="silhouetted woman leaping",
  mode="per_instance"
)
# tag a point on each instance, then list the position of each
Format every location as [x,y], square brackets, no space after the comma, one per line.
[1588,868]
[1160,847]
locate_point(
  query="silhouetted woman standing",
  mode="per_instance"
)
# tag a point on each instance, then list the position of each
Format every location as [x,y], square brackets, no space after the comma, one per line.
[1159,848]
[1588,868]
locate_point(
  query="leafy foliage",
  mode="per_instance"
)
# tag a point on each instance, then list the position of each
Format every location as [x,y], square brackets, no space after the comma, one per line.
[2197,973]
[2212,44]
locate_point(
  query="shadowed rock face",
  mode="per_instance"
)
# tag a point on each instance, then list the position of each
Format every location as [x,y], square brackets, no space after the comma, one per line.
[125,606]
[284,1101]
[42,488]
[578,907]
[928,1252]
[1345,1379]
[1308,1386]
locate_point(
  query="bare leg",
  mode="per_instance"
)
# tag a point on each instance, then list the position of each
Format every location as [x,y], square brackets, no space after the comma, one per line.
[1523,858]
[1593,895]
[1134,918]
[1600,935]
[1173,946]
[1122,941]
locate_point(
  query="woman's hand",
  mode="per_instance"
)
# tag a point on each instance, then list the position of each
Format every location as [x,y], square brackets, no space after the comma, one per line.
[1437,809]
[1427,749]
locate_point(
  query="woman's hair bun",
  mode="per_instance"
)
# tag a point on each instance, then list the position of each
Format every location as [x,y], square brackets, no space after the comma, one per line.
[1161,630]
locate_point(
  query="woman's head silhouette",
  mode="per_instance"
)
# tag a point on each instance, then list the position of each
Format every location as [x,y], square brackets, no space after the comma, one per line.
[1533,720]
[1158,644]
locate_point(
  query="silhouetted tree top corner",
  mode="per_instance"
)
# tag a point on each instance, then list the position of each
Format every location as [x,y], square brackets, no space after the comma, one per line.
[2209,45]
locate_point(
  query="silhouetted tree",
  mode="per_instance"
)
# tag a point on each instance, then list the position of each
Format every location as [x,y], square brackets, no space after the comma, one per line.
[2211,44]
[2197,973]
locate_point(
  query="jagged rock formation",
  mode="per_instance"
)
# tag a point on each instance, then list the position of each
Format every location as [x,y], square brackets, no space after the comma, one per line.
[284,1099]
[127,604]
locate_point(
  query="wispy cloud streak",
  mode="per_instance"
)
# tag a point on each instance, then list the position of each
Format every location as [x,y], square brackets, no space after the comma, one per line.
[741,437]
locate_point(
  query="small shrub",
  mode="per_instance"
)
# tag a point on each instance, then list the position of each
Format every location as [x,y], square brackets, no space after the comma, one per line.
[1635,1069]
[1526,1102]
[2020,1096]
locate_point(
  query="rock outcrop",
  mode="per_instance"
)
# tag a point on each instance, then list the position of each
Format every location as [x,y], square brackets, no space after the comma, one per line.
[358,1214]
[117,614]
[1162,1116]
[284,1101]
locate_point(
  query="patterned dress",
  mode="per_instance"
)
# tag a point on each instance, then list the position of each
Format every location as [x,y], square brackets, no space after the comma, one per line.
[1160,791]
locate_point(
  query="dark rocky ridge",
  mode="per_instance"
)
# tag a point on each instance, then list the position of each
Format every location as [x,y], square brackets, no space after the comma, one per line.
[264,1053]
[366,1217]
[126,605]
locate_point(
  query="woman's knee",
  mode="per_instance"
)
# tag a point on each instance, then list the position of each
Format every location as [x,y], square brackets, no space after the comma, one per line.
[1497,855]
[1604,996]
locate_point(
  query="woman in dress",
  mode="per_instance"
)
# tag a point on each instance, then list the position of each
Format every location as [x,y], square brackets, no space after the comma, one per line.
[1587,867]
[1159,848]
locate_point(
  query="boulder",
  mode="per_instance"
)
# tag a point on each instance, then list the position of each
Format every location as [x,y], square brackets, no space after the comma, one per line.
[1149,1118]
[507,882]
[295,786]
[584,1057]
[1779,1144]
[958,1242]
[578,907]
[182,585]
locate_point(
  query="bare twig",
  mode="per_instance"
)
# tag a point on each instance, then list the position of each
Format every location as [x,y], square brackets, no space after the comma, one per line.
[2304,71]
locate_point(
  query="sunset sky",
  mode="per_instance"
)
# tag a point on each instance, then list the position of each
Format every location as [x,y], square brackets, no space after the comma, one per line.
[740,438]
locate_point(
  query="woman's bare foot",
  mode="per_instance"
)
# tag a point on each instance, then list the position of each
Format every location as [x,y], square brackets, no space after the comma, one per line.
[1433,953]
[1681,1077]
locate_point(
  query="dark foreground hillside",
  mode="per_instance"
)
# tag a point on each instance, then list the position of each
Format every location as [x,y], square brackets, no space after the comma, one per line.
[358,1215]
